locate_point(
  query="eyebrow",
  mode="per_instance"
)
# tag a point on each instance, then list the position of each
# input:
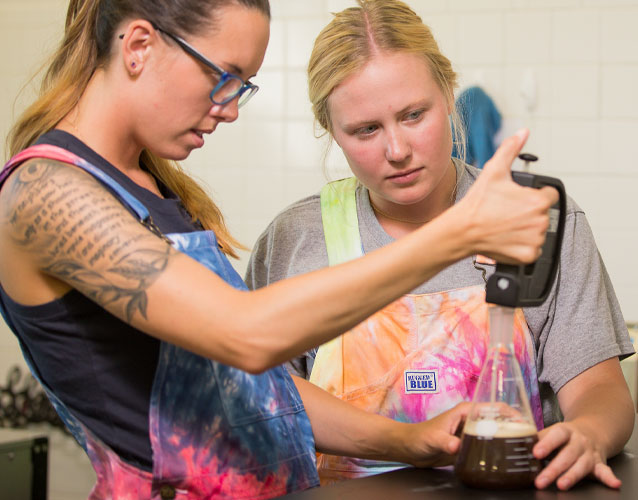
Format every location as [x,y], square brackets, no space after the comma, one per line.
[357,125]
[193,51]
[418,104]
[234,68]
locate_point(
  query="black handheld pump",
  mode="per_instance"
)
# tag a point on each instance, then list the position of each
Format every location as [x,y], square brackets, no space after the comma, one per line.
[529,285]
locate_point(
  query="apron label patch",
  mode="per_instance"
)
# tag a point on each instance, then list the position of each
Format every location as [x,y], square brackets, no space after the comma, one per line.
[421,381]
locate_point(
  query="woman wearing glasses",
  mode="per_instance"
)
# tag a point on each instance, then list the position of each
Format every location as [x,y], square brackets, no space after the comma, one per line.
[384,92]
[116,282]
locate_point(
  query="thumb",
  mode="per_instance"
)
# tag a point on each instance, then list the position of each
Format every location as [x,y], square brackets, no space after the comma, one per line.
[507,152]
[453,445]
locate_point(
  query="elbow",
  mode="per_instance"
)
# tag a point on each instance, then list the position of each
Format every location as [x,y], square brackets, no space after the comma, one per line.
[257,353]
[256,368]
[253,357]
[253,344]
[256,364]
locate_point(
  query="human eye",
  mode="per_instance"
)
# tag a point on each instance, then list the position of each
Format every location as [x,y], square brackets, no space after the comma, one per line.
[366,130]
[215,75]
[414,115]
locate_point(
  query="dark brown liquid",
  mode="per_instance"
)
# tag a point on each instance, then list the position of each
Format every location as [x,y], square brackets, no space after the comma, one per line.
[497,462]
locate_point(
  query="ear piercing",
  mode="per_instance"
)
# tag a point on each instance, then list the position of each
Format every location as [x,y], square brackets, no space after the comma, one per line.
[133,69]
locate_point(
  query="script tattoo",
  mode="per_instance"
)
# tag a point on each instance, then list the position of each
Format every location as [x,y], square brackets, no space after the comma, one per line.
[83,236]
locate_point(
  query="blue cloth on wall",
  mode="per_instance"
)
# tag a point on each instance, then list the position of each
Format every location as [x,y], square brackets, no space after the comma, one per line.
[482,121]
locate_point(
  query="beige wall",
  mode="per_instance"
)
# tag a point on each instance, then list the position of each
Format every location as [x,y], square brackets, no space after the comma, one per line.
[581,55]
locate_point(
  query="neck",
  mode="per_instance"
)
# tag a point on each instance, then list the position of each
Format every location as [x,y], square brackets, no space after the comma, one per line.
[100,124]
[97,121]
[381,213]
[399,219]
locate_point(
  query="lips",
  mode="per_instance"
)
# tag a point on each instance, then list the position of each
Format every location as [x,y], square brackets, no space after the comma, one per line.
[406,176]
[198,138]
[199,135]
[202,133]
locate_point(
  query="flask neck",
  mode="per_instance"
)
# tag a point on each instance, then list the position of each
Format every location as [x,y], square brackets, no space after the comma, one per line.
[501,325]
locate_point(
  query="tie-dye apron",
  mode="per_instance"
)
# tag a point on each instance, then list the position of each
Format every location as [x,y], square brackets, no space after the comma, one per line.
[416,358]
[216,431]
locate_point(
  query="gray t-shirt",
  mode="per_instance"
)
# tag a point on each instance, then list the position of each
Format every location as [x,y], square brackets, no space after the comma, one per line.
[578,326]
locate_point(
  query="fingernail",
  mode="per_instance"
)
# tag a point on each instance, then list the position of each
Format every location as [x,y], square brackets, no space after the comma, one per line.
[541,482]
[521,133]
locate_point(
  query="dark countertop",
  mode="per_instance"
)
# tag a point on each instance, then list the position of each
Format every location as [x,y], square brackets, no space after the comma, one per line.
[435,484]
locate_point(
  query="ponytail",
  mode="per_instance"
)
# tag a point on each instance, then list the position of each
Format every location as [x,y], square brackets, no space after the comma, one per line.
[68,75]
[85,47]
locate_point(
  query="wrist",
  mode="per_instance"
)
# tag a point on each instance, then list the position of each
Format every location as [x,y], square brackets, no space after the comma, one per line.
[401,442]
[457,232]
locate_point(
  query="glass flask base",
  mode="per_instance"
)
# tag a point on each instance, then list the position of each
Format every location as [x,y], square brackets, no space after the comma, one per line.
[497,462]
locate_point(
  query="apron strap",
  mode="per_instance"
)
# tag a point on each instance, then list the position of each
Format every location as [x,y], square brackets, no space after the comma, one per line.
[60,154]
[340,221]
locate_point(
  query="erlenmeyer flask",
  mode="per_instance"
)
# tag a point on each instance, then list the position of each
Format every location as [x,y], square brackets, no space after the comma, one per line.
[499,432]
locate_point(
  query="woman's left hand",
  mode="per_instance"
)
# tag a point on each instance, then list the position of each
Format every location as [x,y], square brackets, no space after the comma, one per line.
[577,456]
[599,418]
[436,441]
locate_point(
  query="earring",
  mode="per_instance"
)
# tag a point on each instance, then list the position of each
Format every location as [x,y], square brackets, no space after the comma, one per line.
[133,69]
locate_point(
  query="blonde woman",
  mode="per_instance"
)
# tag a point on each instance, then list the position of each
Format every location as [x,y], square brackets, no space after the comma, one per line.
[115,279]
[384,92]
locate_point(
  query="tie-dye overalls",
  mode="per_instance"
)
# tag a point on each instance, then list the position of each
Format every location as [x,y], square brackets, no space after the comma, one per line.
[416,358]
[216,431]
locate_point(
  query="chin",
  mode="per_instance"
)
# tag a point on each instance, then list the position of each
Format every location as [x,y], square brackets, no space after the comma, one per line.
[180,157]
[177,154]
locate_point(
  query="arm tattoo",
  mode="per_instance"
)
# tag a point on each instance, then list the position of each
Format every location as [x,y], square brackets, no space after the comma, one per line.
[83,236]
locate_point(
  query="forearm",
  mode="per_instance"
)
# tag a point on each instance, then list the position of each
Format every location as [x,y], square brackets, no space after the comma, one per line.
[606,415]
[278,322]
[342,429]
[598,403]
[308,310]
[281,321]
[496,217]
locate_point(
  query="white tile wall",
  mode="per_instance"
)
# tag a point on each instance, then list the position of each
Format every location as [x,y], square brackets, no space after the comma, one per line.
[619,97]
[523,27]
[481,37]
[575,146]
[620,38]
[615,137]
[581,57]
[575,36]
[575,90]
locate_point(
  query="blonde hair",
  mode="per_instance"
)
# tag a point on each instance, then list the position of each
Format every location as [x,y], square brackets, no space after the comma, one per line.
[352,38]
[86,45]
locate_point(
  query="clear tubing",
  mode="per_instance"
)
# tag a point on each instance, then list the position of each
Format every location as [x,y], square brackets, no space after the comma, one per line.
[501,333]
[501,325]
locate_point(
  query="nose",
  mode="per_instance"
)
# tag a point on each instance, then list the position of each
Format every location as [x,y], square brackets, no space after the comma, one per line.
[225,112]
[397,147]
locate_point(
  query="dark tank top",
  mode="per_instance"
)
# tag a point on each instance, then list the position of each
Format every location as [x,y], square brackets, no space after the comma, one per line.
[99,366]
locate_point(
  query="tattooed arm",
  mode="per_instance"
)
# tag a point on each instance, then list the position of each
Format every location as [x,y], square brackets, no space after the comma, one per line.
[60,229]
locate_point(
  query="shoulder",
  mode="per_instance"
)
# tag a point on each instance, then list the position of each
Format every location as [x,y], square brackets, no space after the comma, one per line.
[303,215]
[42,180]
[466,175]
[50,208]
[293,243]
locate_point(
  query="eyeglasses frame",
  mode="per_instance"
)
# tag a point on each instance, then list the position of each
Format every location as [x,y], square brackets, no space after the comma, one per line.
[225,76]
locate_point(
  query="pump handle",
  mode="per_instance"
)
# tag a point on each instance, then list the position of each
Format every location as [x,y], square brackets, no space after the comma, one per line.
[529,285]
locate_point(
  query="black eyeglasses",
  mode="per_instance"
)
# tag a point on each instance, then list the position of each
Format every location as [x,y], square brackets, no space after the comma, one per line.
[229,86]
